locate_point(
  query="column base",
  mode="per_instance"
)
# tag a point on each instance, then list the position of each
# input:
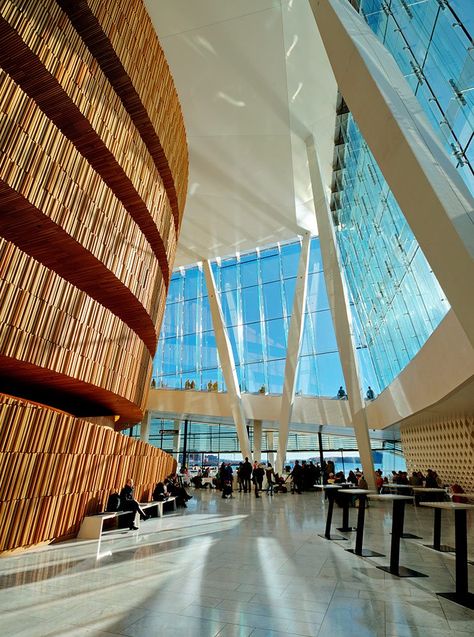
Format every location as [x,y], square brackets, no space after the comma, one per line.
[463,599]
[366,553]
[443,548]
[403,571]
[333,537]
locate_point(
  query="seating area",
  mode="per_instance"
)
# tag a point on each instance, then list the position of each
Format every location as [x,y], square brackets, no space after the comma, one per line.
[242,566]
[92,526]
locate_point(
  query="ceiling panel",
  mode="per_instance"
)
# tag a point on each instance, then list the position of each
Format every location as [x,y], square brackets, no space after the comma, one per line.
[254,82]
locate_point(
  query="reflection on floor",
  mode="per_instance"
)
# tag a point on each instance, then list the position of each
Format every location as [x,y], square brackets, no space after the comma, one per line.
[236,567]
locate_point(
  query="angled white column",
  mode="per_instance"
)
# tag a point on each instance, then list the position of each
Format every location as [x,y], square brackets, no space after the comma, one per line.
[270,454]
[257,440]
[434,199]
[145,427]
[339,304]
[176,438]
[295,336]
[226,358]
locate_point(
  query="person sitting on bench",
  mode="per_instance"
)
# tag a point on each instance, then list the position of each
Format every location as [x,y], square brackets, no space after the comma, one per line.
[128,503]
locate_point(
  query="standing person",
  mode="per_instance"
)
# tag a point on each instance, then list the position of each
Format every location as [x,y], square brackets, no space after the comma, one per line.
[317,474]
[240,480]
[257,477]
[270,475]
[246,473]
[297,475]
[324,471]
[128,503]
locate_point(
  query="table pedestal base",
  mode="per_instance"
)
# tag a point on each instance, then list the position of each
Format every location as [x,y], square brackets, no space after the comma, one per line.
[366,553]
[464,599]
[410,536]
[402,571]
[443,548]
[333,537]
[347,529]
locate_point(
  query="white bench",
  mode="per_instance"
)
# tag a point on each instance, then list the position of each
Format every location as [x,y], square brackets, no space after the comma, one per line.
[92,525]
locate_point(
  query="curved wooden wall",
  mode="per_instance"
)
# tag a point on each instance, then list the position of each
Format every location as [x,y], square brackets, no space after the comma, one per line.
[93,179]
[55,469]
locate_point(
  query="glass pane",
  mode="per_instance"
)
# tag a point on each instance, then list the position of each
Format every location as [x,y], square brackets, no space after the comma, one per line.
[249,272]
[290,256]
[276,338]
[250,305]
[270,268]
[272,300]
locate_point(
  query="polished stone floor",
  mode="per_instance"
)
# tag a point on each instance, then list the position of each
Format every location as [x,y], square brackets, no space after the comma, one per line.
[236,567]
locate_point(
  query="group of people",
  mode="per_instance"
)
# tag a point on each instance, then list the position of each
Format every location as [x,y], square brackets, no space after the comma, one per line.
[341,393]
[417,479]
[126,501]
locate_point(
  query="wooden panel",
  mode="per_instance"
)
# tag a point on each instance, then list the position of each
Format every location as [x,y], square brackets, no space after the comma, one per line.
[46,490]
[140,96]
[72,341]
[82,231]
[140,198]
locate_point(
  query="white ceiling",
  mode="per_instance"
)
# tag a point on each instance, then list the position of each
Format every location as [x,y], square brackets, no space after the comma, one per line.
[254,81]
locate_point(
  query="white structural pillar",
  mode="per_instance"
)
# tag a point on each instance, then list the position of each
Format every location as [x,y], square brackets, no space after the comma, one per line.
[176,438]
[295,336]
[257,440]
[270,454]
[339,304]
[435,201]
[145,427]
[226,358]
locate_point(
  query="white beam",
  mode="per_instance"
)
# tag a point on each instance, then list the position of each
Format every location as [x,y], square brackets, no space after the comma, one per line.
[295,336]
[434,199]
[257,440]
[145,427]
[226,358]
[339,304]
[176,438]
[270,454]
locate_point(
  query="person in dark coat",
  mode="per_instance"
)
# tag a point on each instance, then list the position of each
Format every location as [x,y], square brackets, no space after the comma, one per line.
[297,475]
[128,503]
[246,473]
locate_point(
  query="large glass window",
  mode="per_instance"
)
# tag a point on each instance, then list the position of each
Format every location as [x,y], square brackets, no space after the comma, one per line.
[256,292]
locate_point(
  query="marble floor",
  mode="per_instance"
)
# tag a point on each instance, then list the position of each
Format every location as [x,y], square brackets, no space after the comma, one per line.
[236,567]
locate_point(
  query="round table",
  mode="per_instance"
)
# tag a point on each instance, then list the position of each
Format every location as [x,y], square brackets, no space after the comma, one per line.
[330,490]
[358,550]
[398,515]
[462,595]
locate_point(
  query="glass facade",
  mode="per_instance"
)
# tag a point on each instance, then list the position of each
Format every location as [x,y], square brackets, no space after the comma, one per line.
[397,299]
[432,43]
[256,291]
[211,444]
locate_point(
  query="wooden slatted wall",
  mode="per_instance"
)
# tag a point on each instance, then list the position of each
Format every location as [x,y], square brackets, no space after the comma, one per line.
[55,469]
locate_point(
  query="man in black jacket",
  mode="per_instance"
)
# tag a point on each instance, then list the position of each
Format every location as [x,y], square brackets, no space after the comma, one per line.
[246,473]
[128,503]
